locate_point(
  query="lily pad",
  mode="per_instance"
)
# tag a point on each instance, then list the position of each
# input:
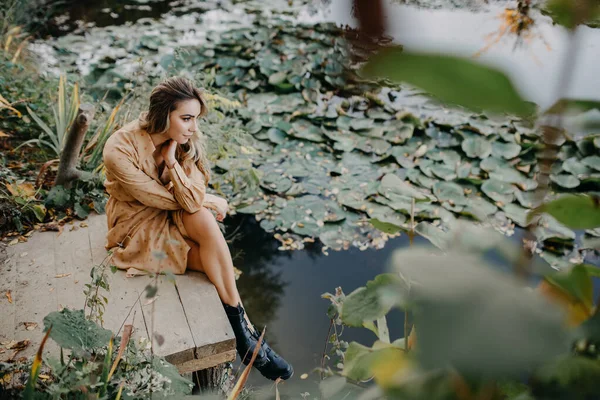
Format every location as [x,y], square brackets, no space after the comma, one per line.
[592,162]
[393,185]
[253,208]
[477,147]
[516,213]
[276,135]
[499,191]
[565,180]
[304,129]
[479,208]
[444,172]
[450,192]
[506,150]
[435,235]
[400,134]
[576,167]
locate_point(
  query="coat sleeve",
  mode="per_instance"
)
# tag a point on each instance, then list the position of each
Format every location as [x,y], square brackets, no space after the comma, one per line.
[188,187]
[123,168]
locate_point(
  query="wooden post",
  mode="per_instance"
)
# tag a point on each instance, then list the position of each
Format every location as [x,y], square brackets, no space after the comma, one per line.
[213,380]
[69,157]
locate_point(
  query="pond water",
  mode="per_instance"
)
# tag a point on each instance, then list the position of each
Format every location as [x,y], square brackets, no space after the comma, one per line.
[533,66]
[282,290]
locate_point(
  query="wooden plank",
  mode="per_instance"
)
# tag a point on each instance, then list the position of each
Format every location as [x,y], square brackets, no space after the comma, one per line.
[164,316]
[98,228]
[73,263]
[123,307]
[189,316]
[8,281]
[206,362]
[34,295]
[212,333]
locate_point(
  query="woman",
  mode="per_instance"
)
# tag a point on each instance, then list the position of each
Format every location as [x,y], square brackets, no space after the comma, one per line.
[156,176]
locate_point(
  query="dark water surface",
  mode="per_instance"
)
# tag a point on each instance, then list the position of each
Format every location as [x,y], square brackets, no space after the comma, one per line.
[282,290]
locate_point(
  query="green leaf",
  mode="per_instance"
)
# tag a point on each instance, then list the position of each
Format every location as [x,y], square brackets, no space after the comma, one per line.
[58,196]
[385,227]
[477,147]
[450,192]
[42,124]
[575,211]
[81,210]
[359,360]
[506,150]
[498,190]
[174,381]
[40,212]
[435,235]
[592,162]
[71,330]
[565,180]
[576,282]
[452,79]
[392,184]
[364,303]
[278,78]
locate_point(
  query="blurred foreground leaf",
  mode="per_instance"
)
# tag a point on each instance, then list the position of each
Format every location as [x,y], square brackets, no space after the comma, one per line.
[476,319]
[575,211]
[453,80]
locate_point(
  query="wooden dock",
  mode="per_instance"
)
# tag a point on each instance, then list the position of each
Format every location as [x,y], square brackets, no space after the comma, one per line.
[49,272]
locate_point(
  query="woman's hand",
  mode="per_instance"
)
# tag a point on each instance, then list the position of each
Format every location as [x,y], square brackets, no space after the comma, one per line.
[219,204]
[168,152]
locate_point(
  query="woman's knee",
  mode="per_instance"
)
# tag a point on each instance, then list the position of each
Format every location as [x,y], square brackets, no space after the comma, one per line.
[200,223]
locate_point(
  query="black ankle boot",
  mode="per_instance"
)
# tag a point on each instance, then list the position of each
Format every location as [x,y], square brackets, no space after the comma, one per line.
[276,366]
[245,341]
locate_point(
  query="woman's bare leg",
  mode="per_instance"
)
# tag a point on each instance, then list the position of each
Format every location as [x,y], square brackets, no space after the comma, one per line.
[209,253]
[213,254]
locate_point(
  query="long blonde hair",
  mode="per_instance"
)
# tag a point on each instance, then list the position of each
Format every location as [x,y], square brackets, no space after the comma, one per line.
[164,98]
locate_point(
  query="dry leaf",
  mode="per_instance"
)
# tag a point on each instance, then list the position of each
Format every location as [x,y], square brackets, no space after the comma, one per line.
[30,325]
[9,296]
[160,339]
[14,345]
[24,254]
[83,225]
[124,341]
[25,189]
[62,275]
[43,377]
[13,242]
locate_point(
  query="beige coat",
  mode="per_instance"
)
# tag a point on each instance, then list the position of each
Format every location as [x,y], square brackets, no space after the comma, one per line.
[144,211]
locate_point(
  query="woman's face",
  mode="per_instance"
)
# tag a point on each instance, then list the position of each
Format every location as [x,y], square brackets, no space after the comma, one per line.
[182,121]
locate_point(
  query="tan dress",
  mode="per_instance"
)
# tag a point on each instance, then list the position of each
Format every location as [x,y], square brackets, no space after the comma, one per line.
[144,211]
